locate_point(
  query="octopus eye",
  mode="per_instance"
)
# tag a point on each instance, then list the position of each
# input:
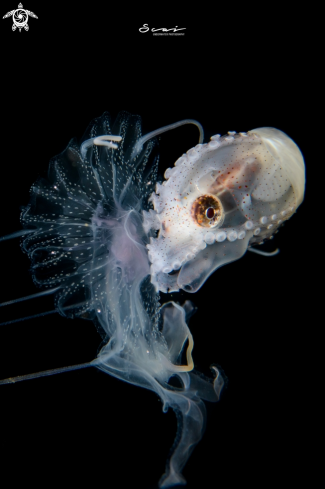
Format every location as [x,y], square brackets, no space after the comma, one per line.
[207,211]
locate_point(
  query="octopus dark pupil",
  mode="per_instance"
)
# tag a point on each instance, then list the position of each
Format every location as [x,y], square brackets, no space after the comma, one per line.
[210,213]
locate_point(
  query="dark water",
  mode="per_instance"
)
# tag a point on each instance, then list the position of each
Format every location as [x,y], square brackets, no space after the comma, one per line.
[257,318]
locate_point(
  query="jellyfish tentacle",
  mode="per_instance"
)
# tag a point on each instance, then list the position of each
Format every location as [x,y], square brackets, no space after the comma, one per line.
[44,373]
[264,253]
[17,234]
[137,148]
[104,140]
[32,296]
[26,318]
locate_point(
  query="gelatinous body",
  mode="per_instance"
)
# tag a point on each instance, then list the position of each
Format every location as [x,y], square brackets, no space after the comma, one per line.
[87,245]
[91,236]
[219,199]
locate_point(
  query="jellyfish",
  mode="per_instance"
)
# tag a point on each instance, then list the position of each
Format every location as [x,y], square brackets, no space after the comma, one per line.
[103,237]
[83,232]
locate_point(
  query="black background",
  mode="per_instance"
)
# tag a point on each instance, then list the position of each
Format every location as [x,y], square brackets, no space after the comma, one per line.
[235,69]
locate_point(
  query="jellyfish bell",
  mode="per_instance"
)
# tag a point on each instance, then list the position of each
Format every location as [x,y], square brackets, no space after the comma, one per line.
[220,199]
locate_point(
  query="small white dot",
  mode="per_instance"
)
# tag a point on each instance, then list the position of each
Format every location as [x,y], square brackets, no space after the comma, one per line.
[270,226]
[273,217]
[257,231]
[263,220]
[241,235]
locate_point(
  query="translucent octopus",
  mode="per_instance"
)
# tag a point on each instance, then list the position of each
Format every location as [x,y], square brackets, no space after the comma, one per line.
[220,199]
[95,242]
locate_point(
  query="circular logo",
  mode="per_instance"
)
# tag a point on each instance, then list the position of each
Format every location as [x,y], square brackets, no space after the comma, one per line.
[20,18]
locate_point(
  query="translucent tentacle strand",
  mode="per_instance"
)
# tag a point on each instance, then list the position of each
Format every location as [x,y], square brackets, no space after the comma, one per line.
[150,135]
